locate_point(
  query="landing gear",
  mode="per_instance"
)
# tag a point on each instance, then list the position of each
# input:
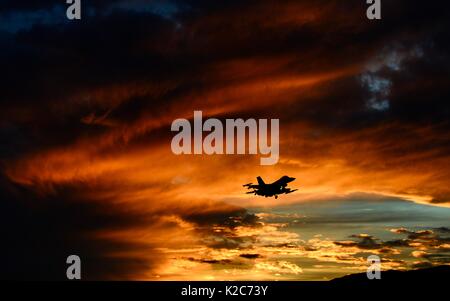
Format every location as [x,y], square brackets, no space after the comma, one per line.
[276,197]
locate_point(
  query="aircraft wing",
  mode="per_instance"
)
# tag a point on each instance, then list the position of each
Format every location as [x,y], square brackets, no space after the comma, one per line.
[251,186]
[283,181]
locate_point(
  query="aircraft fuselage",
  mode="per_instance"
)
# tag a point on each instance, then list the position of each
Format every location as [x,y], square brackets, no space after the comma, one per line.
[272,189]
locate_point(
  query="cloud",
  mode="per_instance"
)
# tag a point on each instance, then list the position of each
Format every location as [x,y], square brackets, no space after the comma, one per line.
[114,241]
[165,72]
[250,256]
[86,110]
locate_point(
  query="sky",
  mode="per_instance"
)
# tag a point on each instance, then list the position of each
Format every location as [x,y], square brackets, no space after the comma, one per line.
[86,166]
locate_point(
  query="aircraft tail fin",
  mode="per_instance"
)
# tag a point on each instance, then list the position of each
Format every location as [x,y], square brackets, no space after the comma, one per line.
[260,181]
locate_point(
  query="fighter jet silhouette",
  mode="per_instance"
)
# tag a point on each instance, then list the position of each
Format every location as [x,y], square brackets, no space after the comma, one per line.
[269,190]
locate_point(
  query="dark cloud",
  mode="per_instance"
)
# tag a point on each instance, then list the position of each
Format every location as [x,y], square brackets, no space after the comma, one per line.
[422,265]
[425,244]
[250,256]
[40,232]
[212,261]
